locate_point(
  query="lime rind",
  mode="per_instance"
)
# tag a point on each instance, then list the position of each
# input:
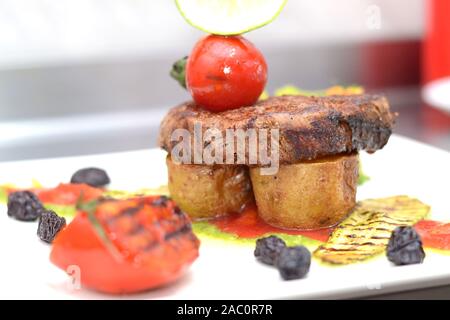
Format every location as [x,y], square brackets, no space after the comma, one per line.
[230,17]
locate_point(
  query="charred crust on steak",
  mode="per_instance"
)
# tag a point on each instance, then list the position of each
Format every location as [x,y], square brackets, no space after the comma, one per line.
[310,127]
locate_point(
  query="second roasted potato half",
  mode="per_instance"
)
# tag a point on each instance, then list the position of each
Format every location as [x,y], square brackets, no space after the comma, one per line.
[307,195]
[209,191]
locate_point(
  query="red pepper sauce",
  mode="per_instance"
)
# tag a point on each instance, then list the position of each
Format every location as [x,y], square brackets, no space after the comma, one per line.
[248,225]
[434,234]
[66,193]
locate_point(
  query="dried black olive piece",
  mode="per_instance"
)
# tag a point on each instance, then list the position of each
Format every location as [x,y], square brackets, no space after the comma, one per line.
[293,262]
[24,206]
[405,247]
[267,249]
[49,225]
[95,177]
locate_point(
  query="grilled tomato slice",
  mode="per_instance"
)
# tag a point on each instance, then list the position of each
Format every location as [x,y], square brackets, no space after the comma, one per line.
[125,246]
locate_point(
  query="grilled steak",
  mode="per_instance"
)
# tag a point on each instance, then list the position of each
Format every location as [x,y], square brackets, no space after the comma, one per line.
[309,127]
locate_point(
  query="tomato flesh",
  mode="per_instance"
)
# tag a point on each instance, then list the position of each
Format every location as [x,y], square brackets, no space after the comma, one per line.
[434,234]
[225,72]
[140,246]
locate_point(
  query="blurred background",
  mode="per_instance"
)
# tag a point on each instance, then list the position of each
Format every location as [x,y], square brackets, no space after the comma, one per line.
[91,76]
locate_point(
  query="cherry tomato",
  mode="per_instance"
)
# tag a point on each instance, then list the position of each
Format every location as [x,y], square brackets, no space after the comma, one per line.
[225,72]
[125,246]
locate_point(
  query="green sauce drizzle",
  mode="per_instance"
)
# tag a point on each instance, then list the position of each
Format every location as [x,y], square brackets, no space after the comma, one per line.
[207,231]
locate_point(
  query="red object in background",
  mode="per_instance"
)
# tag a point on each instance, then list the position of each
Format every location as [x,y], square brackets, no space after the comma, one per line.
[436,65]
[389,64]
[436,51]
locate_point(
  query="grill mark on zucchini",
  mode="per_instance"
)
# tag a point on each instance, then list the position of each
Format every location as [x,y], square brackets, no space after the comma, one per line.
[366,231]
[376,221]
[348,252]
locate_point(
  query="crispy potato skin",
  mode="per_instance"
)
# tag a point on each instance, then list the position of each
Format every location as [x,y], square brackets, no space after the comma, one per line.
[209,191]
[307,195]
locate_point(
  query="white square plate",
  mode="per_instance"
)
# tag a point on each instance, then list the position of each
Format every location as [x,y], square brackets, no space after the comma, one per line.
[223,270]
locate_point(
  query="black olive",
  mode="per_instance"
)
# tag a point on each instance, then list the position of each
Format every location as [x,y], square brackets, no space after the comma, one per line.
[405,247]
[24,206]
[94,177]
[293,262]
[267,249]
[49,225]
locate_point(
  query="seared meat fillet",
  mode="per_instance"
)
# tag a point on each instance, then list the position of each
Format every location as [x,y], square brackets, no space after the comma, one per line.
[309,127]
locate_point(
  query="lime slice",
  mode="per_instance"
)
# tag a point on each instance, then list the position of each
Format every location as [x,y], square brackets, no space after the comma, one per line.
[229,17]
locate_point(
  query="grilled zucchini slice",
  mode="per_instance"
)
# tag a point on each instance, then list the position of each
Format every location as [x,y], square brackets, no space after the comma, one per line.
[366,232]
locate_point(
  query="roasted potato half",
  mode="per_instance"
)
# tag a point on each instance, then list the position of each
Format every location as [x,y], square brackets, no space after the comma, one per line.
[209,191]
[307,195]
